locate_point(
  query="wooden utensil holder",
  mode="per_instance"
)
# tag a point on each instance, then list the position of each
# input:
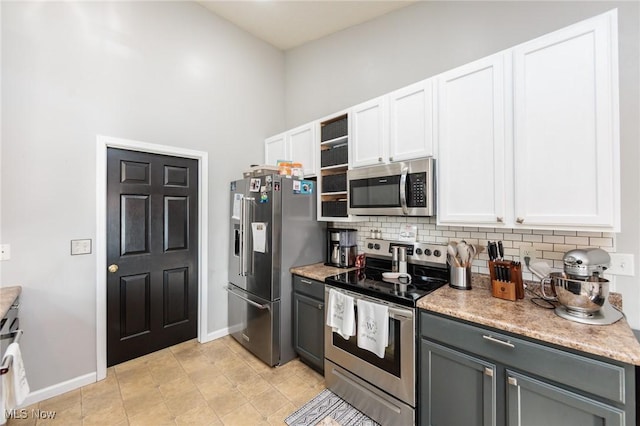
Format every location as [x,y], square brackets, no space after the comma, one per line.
[509,290]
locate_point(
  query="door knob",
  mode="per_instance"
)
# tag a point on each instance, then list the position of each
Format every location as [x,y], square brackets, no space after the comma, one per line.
[113,268]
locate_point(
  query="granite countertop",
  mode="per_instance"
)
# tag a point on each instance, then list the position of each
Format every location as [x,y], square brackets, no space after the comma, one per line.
[616,341]
[8,295]
[318,271]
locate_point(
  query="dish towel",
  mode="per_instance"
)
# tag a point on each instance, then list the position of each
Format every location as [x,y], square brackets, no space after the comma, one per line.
[15,387]
[341,315]
[373,327]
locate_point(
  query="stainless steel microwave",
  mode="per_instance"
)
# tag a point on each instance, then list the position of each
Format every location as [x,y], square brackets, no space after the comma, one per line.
[397,189]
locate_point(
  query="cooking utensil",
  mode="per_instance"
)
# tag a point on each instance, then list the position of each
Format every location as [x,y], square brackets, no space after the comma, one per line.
[473,251]
[463,253]
[453,253]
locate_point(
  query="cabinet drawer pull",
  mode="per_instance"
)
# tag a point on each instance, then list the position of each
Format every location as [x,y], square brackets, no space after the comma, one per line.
[305,281]
[512,381]
[501,342]
[320,306]
[488,372]
[379,159]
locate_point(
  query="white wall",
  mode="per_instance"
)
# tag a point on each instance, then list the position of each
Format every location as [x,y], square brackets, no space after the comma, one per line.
[168,73]
[427,38]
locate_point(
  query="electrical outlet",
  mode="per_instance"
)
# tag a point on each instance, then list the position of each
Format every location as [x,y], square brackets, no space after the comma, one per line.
[5,251]
[530,252]
[621,264]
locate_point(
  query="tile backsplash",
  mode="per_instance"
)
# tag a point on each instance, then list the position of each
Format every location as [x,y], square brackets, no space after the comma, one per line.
[550,245]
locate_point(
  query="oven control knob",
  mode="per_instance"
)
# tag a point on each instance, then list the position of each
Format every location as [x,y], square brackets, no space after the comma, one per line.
[418,251]
[370,245]
[376,246]
[436,253]
[427,252]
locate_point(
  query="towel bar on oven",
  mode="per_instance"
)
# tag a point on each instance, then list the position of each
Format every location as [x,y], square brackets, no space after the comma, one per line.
[8,360]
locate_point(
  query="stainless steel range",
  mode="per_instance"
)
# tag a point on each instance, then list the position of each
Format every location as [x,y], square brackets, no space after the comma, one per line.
[383,388]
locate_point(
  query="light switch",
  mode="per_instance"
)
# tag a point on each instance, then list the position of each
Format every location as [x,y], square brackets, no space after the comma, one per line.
[5,251]
[621,264]
[80,247]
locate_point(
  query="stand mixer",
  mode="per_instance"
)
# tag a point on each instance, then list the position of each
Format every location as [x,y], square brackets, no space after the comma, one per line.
[580,290]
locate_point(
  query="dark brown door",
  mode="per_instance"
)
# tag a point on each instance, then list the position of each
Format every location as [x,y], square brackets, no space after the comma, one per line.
[152,252]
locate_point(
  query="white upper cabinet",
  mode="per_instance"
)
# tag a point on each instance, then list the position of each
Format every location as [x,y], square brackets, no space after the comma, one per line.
[275,148]
[303,147]
[533,141]
[394,127]
[411,122]
[473,171]
[369,132]
[566,129]
[298,145]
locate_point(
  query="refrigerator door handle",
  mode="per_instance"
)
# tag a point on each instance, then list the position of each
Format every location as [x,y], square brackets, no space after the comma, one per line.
[251,302]
[242,231]
[245,223]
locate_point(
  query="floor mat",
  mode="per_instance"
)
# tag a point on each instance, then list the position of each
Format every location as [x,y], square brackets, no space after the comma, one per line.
[327,404]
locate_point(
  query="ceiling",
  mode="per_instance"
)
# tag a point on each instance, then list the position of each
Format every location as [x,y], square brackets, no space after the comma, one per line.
[287,24]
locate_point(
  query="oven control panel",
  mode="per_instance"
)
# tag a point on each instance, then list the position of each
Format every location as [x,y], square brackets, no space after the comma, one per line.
[416,252]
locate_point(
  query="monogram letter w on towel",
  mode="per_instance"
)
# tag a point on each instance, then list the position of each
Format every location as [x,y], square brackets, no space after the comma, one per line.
[373,327]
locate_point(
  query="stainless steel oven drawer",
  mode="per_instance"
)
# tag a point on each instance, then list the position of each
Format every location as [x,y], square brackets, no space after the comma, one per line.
[380,406]
[586,374]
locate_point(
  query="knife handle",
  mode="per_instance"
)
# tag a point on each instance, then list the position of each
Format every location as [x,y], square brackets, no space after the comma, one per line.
[500,250]
[493,251]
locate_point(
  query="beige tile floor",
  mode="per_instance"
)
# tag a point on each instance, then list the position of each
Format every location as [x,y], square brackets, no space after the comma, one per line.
[216,383]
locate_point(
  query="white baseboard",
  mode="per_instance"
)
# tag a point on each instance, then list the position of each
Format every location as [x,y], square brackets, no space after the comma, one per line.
[59,389]
[216,334]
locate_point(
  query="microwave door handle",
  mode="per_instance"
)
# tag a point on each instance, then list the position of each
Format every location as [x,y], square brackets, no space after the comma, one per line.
[403,190]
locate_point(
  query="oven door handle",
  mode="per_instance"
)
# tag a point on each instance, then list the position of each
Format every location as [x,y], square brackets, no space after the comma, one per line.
[395,313]
[399,315]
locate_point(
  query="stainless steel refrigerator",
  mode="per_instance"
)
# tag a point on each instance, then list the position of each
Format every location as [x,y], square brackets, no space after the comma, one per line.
[273,227]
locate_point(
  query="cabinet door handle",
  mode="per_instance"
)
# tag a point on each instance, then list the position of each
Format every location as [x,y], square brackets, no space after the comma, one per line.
[390,158]
[499,219]
[379,159]
[305,281]
[498,341]
[320,306]
[488,372]
[512,381]
[520,220]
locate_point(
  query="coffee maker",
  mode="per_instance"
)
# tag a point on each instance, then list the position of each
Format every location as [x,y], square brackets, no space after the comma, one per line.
[342,247]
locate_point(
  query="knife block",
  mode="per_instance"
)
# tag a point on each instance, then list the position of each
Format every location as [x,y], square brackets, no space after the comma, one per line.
[509,290]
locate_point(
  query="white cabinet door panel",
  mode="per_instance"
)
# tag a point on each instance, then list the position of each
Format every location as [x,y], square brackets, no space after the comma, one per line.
[566,142]
[302,147]
[275,148]
[369,132]
[472,165]
[411,122]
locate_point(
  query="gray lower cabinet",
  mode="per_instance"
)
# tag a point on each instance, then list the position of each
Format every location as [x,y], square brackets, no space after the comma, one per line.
[308,321]
[472,375]
[534,402]
[461,388]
